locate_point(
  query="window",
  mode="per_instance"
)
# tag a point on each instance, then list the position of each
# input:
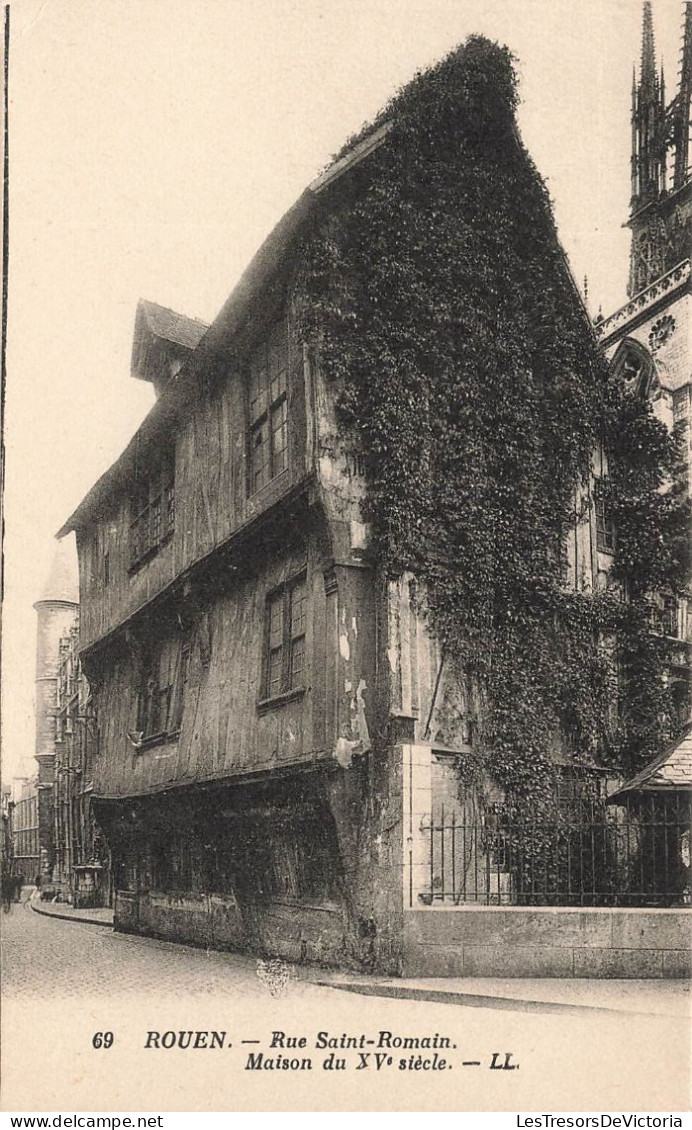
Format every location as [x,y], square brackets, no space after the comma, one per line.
[170,503]
[285,639]
[284,859]
[634,363]
[664,616]
[605,526]
[163,677]
[268,410]
[661,332]
[176,710]
[669,616]
[153,510]
[106,569]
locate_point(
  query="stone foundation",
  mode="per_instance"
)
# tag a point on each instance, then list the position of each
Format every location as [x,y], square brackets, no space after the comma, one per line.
[290,930]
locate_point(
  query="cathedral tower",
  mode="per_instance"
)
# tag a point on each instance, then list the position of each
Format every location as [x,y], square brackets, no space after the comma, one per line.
[660,207]
[56,612]
[648,340]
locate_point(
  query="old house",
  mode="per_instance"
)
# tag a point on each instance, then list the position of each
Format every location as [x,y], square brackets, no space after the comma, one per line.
[657,810]
[23,829]
[354,489]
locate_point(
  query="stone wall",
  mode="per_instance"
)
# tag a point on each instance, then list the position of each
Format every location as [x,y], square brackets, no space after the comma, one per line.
[547,942]
[283,929]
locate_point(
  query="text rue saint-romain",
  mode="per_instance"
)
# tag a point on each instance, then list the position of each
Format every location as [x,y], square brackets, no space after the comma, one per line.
[367,1052]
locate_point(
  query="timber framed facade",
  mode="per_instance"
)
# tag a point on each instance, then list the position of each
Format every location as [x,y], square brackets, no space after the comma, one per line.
[232,651]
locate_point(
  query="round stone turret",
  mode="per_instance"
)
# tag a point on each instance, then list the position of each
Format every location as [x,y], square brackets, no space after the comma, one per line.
[57,610]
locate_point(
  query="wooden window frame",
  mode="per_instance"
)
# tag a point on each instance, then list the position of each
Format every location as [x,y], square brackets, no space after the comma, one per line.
[152,510]
[268,409]
[160,703]
[669,617]
[178,698]
[664,617]
[290,601]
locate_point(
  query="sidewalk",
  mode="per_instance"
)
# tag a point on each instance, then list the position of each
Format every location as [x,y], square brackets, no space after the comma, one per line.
[653,998]
[96,916]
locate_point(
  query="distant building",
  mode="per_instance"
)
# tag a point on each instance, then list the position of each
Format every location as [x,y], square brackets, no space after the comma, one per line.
[6,845]
[81,870]
[24,829]
[657,805]
[56,613]
[648,339]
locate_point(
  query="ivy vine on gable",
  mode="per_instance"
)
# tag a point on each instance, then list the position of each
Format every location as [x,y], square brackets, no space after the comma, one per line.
[436,290]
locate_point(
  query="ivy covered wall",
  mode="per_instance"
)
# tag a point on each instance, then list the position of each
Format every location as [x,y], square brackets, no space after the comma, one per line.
[434,292]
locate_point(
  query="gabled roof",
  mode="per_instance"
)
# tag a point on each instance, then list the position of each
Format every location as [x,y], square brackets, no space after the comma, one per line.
[167,324]
[157,323]
[671,771]
[183,387]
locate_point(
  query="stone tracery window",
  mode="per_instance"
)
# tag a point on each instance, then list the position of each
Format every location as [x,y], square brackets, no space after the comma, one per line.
[661,331]
[633,362]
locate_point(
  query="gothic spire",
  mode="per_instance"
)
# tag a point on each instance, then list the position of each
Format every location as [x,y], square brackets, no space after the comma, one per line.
[680,109]
[648,116]
[648,68]
[659,216]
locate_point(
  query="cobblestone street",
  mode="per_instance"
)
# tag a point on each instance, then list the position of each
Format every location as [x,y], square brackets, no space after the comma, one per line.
[85,960]
[63,982]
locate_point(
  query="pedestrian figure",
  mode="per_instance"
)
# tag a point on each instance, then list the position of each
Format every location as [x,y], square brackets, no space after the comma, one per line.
[8,886]
[685,857]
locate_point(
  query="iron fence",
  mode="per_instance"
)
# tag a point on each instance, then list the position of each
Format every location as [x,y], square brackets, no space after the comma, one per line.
[575,853]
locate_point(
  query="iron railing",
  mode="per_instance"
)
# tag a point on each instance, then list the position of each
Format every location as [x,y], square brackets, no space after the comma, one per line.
[572,853]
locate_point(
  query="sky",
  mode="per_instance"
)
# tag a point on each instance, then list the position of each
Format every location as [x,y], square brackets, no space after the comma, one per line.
[155,143]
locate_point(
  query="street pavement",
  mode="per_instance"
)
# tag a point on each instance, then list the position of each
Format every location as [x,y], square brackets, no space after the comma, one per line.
[79,959]
[665,998]
[64,983]
[99,915]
